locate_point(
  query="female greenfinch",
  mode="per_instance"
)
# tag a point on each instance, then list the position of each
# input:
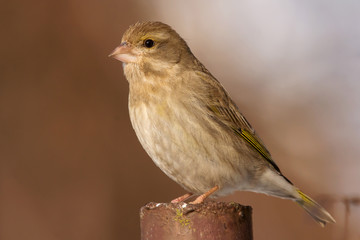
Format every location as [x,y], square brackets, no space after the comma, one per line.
[190,127]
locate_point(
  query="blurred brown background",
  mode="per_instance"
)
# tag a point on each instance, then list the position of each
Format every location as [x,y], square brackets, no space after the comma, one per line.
[70,164]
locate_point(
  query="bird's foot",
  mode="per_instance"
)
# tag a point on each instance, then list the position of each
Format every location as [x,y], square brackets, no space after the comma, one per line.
[202,197]
[181,198]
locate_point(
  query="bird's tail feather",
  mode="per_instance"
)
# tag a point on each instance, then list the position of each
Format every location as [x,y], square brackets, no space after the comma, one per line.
[314,209]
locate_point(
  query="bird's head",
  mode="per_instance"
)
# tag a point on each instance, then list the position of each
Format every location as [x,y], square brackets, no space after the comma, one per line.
[153,45]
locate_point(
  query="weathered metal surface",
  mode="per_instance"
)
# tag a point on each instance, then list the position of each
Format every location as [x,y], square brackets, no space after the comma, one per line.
[209,220]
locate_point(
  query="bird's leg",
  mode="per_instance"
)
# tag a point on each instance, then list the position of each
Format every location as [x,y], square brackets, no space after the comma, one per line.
[181,198]
[202,197]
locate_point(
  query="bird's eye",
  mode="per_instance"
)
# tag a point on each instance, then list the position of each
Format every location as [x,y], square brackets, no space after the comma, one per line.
[148,43]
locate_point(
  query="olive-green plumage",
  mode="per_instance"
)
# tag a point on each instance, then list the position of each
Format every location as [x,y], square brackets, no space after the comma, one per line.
[190,127]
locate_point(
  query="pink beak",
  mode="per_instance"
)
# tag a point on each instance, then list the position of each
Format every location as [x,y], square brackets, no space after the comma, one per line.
[124,53]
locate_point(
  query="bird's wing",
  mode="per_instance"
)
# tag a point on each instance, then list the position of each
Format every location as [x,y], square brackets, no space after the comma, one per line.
[226,112]
[233,119]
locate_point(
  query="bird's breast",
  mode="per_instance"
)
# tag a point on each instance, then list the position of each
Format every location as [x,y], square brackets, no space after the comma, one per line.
[184,143]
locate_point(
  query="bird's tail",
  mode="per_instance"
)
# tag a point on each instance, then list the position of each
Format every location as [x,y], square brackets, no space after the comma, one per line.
[314,209]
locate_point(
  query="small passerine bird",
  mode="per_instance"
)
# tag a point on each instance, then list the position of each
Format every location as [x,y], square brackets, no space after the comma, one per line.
[191,128]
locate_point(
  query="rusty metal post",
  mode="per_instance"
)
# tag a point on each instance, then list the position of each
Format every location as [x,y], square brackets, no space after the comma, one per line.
[209,220]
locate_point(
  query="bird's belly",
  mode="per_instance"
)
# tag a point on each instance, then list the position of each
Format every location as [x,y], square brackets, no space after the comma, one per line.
[195,154]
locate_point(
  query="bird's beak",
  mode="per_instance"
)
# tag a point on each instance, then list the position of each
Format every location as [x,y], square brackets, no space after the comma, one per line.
[124,53]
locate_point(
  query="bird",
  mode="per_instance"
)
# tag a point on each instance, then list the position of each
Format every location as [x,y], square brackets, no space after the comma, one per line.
[191,128]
